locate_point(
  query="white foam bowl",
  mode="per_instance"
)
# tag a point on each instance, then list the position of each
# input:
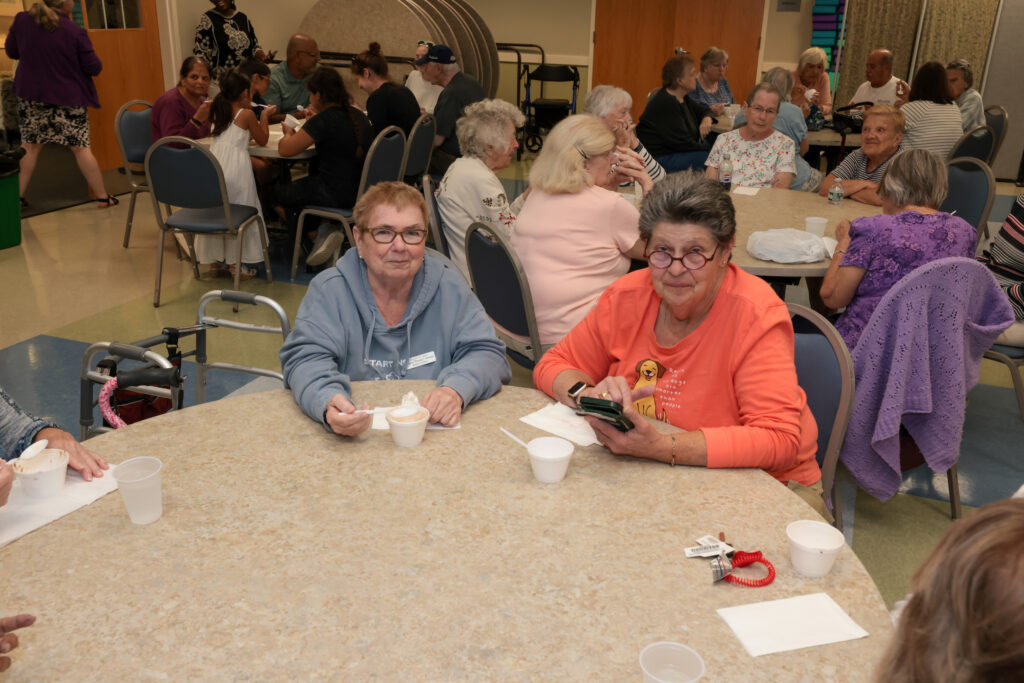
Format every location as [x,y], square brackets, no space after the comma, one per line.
[668,662]
[549,458]
[45,471]
[813,546]
[406,433]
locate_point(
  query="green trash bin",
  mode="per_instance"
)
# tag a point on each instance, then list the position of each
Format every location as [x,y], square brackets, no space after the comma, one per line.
[10,210]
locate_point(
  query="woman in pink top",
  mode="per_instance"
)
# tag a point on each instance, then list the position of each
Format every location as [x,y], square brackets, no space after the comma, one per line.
[696,342]
[811,74]
[574,237]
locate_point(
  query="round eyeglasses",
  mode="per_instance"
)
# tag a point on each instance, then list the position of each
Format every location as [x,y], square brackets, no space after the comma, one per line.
[692,260]
[387,235]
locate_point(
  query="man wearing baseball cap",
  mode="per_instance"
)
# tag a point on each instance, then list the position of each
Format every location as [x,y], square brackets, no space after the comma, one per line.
[439,67]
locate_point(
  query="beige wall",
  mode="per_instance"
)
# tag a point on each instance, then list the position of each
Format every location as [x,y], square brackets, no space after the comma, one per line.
[786,35]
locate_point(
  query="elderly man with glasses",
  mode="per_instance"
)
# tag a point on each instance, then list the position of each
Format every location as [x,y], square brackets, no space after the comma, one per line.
[390,309]
[287,90]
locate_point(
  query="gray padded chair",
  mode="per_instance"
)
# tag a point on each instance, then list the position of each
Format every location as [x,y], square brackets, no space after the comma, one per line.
[383,163]
[824,371]
[997,118]
[183,173]
[419,148]
[972,189]
[978,143]
[434,216]
[131,128]
[1013,358]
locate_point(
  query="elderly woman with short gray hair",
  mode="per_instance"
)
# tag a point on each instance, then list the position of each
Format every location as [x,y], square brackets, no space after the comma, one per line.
[470,191]
[612,105]
[811,75]
[876,252]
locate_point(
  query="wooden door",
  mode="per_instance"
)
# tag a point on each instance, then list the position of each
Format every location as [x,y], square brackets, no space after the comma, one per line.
[633,40]
[132,70]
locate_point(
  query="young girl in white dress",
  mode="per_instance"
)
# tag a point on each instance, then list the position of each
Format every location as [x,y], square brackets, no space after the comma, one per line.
[233,124]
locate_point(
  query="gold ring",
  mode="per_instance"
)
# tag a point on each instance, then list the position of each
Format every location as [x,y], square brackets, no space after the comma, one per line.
[604,394]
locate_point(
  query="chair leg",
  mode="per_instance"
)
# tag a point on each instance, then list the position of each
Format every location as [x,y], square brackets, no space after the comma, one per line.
[262,227]
[238,262]
[837,504]
[298,243]
[348,231]
[128,221]
[1018,386]
[190,239]
[159,266]
[954,492]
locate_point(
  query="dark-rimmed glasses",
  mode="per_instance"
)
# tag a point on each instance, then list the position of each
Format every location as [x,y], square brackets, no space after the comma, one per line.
[387,235]
[691,260]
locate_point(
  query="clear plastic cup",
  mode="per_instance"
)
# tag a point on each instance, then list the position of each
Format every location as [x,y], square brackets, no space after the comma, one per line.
[815,225]
[668,662]
[813,547]
[138,480]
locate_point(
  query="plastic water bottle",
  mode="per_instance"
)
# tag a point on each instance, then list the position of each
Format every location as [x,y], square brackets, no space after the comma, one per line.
[835,193]
[725,173]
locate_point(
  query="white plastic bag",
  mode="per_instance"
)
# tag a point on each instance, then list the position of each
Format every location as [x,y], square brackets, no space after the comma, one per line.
[787,245]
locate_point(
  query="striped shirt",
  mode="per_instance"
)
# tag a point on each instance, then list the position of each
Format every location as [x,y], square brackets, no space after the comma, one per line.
[931,126]
[855,167]
[653,168]
[1005,257]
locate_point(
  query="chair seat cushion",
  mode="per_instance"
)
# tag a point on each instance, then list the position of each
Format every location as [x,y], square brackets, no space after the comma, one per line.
[548,103]
[1015,352]
[208,220]
[1010,341]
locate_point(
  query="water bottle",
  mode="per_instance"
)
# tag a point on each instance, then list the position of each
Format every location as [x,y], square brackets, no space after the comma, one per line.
[725,173]
[835,193]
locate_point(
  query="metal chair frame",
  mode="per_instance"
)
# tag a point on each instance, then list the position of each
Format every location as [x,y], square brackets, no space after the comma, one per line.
[1013,358]
[969,138]
[434,217]
[997,111]
[419,147]
[982,225]
[119,133]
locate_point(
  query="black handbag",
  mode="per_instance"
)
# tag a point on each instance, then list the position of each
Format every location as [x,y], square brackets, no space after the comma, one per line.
[849,119]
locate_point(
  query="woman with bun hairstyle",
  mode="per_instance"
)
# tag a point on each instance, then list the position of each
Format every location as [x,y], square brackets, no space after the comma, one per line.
[389,104]
[234,123]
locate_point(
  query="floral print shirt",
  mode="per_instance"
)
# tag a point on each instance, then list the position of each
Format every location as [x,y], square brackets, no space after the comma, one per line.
[754,164]
[224,42]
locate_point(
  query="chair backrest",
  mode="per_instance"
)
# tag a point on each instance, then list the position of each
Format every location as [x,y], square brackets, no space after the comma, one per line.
[133,133]
[557,74]
[997,118]
[824,371]
[183,173]
[652,93]
[977,143]
[501,286]
[434,216]
[384,160]
[972,189]
[419,147]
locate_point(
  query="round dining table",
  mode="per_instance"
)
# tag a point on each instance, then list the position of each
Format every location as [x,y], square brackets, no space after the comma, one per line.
[286,552]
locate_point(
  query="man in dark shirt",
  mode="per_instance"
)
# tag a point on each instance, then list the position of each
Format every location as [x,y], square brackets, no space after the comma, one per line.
[460,90]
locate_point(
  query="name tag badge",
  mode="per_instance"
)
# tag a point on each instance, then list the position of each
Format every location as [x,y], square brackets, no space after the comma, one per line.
[422,359]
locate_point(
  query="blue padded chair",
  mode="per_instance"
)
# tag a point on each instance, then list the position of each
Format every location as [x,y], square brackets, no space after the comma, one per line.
[998,120]
[501,286]
[972,189]
[131,128]
[1013,358]
[183,173]
[824,371]
[383,163]
[434,216]
[978,143]
[419,148]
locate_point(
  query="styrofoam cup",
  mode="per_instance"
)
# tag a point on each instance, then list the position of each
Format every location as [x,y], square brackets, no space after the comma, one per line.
[813,546]
[138,480]
[816,225]
[41,472]
[549,458]
[407,425]
[668,662]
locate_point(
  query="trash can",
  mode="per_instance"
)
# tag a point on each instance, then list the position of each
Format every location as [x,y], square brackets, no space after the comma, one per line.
[10,210]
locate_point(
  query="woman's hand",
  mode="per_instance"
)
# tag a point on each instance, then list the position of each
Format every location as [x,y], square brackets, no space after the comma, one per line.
[618,390]
[630,167]
[643,441]
[717,108]
[342,418]
[705,126]
[203,112]
[9,641]
[805,109]
[267,112]
[843,231]
[444,405]
[6,481]
[80,458]
[625,132]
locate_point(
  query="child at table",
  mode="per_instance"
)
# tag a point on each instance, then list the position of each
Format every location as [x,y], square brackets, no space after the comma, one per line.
[233,124]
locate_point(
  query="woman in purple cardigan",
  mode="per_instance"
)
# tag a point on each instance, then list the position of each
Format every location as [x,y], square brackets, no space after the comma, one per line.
[54,85]
[184,109]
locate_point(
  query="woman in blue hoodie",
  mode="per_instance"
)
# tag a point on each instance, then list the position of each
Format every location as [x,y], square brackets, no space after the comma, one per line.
[390,310]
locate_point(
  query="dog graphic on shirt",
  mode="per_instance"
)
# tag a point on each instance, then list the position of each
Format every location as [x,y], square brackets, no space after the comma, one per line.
[649,371]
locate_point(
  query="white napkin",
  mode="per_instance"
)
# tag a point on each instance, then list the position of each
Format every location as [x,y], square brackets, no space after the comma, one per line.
[790,624]
[560,420]
[741,189]
[23,514]
[381,422]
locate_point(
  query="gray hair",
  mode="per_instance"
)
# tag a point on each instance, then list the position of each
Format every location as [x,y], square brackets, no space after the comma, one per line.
[915,177]
[689,197]
[964,67]
[782,79]
[450,68]
[604,98]
[812,55]
[713,55]
[485,124]
[763,86]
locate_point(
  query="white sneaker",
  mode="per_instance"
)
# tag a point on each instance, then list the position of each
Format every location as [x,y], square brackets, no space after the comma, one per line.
[324,247]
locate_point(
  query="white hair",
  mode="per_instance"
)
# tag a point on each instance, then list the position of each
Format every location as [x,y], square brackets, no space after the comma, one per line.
[603,99]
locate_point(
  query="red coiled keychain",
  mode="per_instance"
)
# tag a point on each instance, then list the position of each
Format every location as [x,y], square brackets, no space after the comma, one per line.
[744,559]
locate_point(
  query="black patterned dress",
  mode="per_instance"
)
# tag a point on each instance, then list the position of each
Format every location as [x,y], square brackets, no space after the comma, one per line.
[224,42]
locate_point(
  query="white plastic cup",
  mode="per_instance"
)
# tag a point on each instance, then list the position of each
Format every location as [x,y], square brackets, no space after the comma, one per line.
[549,458]
[138,480]
[407,425]
[668,662]
[816,225]
[813,547]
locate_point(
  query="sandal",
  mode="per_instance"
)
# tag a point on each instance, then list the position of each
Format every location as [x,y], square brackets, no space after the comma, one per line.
[246,274]
[108,201]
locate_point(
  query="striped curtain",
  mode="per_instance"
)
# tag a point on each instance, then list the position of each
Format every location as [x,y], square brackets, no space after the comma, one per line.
[873,25]
[953,29]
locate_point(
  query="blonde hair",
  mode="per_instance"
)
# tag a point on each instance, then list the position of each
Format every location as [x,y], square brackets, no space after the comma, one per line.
[47,14]
[812,55]
[964,622]
[395,194]
[559,168]
[899,120]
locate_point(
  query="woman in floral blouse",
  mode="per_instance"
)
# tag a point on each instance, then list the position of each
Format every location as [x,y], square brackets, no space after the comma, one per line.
[876,252]
[761,156]
[225,38]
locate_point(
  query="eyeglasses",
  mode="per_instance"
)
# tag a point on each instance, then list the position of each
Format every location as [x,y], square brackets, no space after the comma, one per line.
[387,235]
[692,260]
[762,110]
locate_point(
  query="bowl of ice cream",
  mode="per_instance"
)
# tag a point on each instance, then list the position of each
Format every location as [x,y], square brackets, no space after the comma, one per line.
[41,471]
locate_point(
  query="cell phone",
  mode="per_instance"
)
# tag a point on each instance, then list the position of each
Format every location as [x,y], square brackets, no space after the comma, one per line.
[606,411]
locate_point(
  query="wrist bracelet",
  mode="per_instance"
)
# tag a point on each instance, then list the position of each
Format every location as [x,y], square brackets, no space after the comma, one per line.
[673,463]
[195,122]
[839,251]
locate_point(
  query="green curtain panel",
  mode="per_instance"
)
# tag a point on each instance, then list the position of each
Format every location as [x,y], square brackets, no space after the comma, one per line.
[953,29]
[872,25]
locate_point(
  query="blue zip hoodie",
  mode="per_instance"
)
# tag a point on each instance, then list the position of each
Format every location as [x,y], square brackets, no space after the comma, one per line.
[340,336]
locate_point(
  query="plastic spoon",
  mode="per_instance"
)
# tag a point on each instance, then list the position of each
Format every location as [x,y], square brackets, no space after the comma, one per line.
[514,437]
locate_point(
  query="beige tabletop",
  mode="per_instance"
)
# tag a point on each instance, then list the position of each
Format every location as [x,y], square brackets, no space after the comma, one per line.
[770,209]
[269,150]
[287,553]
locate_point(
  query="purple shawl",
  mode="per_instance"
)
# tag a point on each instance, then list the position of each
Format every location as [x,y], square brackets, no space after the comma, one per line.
[916,359]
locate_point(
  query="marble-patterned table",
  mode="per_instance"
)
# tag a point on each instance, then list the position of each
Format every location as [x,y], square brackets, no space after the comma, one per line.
[287,553]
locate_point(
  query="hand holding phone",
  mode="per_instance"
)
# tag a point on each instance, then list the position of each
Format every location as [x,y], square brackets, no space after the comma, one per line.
[606,411]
